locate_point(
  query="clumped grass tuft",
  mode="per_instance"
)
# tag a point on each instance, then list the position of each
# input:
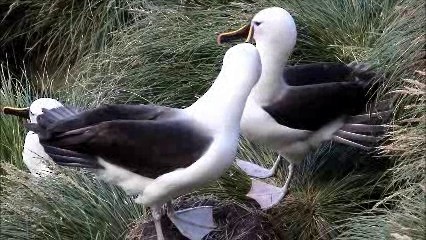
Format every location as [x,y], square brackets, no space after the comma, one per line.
[367,225]
[62,207]
[11,129]
[400,50]
[168,56]
[338,30]
[318,202]
[49,36]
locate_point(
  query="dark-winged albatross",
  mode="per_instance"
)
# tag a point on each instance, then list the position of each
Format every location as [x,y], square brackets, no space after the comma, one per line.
[158,152]
[33,154]
[294,109]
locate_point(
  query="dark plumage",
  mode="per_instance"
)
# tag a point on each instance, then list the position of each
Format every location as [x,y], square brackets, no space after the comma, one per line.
[113,132]
[320,93]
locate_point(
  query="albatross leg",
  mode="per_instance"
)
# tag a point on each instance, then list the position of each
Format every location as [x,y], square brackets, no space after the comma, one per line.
[193,223]
[268,195]
[254,170]
[156,214]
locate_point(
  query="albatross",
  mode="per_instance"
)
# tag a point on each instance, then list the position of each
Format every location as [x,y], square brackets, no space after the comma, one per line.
[294,109]
[155,151]
[33,154]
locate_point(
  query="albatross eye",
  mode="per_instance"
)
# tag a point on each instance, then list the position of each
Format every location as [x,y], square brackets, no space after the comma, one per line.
[256,23]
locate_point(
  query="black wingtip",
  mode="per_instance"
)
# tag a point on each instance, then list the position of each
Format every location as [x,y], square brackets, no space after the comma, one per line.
[32,127]
[65,157]
[362,71]
[42,133]
[59,113]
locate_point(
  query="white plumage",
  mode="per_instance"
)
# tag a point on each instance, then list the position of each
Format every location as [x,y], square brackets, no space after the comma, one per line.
[157,152]
[293,119]
[33,154]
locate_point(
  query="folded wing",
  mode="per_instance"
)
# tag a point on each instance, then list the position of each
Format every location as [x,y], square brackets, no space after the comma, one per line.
[147,140]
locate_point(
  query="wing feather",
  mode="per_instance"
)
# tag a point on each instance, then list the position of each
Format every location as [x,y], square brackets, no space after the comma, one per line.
[146,140]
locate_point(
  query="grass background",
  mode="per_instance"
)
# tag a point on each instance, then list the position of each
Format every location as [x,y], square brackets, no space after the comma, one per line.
[91,52]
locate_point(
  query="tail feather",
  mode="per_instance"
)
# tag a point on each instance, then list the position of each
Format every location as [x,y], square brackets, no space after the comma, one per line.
[368,117]
[367,128]
[357,137]
[76,165]
[67,159]
[384,105]
[350,143]
[364,128]
[362,72]
[65,152]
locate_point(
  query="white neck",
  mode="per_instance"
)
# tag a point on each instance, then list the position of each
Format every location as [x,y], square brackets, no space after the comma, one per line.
[271,80]
[222,105]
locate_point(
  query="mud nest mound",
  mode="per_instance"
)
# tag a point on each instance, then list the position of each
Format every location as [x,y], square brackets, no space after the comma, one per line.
[234,221]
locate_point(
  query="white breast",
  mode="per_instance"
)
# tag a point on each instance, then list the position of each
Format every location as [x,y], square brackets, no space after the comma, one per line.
[216,160]
[258,126]
[34,156]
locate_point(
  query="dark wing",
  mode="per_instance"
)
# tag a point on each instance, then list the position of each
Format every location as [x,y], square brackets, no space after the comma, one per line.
[318,73]
[312,106]
[149,147]
[64,119]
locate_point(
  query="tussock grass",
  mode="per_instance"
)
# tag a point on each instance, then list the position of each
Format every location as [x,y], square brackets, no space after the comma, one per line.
[320,198]
[169,56]
[400,50]
[338,30]
[65,206]
[11,129]
[49,36]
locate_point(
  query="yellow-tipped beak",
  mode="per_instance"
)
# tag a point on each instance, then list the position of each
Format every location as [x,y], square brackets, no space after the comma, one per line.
[20,112]
[244,32]
[250,35]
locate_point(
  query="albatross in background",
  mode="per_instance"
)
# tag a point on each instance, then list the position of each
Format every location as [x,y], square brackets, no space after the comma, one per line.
[294,109]
[158,152]
[33,154]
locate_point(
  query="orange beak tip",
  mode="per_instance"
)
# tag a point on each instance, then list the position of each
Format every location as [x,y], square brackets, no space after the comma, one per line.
[218,40]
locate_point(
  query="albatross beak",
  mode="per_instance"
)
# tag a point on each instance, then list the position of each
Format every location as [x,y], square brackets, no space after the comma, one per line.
[20,112]
[244,32]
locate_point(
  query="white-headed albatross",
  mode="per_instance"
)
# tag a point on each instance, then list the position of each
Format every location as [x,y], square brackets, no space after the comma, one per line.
[33,155]
[158,152]
[294,109]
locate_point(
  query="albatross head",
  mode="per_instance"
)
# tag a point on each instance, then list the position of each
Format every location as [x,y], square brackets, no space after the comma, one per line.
[36,107]
[242,60]
[226,98]
[241,68]
[34,110]
[272,28]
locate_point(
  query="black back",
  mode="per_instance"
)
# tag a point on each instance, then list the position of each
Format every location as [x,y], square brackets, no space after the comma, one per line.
[316,73]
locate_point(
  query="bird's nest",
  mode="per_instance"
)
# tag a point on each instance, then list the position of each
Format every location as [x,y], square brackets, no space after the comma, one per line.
[234,221]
